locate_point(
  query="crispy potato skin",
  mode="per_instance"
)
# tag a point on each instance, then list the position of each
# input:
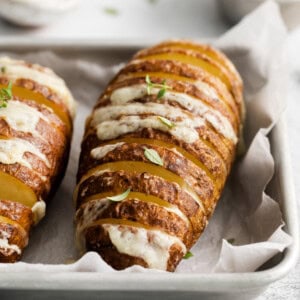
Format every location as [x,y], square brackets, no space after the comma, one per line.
[210,80]
[149,185]
[173,162]
[17,233]
[157,217]
[199,149]
[205,52]
[51,138]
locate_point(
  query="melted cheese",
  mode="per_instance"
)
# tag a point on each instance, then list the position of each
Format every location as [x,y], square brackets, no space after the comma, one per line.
[90,212]
[151,245]
[112,112]
[15,69]
[22,117]
[101,151]
[206,89]
[124,95]
[39,211]
[183,130]
[13,150]
[4,244]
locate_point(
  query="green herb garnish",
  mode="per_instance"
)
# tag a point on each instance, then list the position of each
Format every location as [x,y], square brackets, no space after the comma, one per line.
[166,122]
[162,86]
[188,255]
[111,11]
[231,241]
[5,95]
[3,69]
[153,156]
[119,197]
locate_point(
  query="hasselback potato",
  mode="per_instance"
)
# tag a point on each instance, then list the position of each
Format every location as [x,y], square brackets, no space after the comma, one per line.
[156,153]
[35,131]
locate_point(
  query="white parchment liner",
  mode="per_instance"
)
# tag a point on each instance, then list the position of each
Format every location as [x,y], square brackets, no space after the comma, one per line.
[245,214]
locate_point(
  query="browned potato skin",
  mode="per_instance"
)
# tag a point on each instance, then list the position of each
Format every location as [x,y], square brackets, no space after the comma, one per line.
[183,70]
[221,59]
[187,52]
[99,241]
[18,234]
[157,217]
[147,184]
[55,146]
[213,150]
[200,150]
[173,162]
[205,77]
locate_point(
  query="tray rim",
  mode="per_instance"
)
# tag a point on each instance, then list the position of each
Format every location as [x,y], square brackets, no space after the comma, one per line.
[216,282]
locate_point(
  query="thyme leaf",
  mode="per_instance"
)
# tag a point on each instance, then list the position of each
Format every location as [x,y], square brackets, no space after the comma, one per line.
[231,241]
[111,11]
[119,197]
[166,122]
[188,255]
[5,95]
[163,87]
[153,156]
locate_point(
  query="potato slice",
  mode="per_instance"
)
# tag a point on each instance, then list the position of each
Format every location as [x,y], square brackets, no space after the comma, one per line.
[15,190]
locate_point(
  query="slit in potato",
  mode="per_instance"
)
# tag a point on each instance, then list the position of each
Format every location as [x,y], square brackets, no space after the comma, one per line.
[140,167]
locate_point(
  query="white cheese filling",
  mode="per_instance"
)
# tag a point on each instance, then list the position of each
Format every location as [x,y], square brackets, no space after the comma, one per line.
[152,246]
[38,210]
[183,130]
[15,69]
[13,150]
[124,95]
[22,117]
[4,244]
[101,151]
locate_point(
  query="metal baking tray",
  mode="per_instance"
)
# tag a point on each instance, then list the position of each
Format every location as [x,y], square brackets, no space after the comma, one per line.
[91,285]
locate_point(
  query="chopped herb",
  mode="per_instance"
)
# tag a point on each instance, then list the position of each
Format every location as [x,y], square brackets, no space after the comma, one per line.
[149,84]
[3,69]
[111,11]
[161,93]
[188,255]
[166,122]
[153,156]
[5,95]
[162,86]
[119,197]
[231,241]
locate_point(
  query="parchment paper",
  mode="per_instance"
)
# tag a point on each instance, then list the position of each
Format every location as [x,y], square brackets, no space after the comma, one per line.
[246,216]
